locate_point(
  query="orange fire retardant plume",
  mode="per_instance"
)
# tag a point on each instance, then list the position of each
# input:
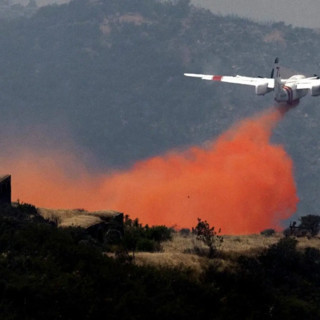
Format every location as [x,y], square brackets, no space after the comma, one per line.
[241,183]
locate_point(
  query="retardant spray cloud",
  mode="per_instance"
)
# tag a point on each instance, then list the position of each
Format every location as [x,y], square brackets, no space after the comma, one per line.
[241,182]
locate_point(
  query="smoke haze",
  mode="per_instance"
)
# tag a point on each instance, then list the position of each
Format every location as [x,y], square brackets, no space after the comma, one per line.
[241,182]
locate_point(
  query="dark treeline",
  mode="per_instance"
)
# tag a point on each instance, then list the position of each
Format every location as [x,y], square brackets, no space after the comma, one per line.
[51,273]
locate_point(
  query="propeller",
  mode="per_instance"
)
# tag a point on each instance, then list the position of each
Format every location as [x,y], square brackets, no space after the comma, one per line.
[272,73]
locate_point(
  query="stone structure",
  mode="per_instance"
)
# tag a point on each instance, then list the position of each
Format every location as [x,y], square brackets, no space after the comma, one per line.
[5,190]
[110,229]
[105,226]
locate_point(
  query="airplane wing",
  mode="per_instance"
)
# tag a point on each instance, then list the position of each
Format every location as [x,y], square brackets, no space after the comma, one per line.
[237,79]
[308,83]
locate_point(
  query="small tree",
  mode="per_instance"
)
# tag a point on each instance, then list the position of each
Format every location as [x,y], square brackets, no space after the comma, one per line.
[208,236]
[310,223]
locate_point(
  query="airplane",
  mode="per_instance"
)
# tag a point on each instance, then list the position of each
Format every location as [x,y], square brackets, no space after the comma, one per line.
[288,91]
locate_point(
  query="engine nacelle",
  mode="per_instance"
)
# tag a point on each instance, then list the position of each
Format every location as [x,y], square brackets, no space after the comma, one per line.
[262,89]
[315,91]
[289,93]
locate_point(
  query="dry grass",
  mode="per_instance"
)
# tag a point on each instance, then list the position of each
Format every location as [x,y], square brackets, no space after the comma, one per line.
[305,243]
[247,244]
[173,254]
[182,244]
[167,259]
[181,251]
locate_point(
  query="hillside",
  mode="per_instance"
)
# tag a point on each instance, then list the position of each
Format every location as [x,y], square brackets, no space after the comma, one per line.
[105,80]
[182,249]
[53,273]
[11,10]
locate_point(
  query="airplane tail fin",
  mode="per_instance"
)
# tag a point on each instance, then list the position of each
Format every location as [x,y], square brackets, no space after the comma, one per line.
[275,74]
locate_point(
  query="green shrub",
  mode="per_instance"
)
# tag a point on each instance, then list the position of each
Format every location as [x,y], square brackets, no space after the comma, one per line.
[158,233]
[284,245]
[27,208]
[148,245]
[268,232]
[310,223]
[281,257]
[143,238]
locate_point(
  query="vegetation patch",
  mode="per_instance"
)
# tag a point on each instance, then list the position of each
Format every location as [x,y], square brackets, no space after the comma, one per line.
[51,272]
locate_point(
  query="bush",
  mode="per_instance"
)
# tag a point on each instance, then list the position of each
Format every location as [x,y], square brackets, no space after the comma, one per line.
[310,223]
[282,255]
[148,245]
[185,232]
[208,236]
[29,209]
[144,238]
[284,245]
[268,232]
[22,212]
[287,232]
[158,233]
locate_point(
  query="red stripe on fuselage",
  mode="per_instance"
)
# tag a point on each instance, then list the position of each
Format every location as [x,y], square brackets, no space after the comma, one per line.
[289,92]
[217,78]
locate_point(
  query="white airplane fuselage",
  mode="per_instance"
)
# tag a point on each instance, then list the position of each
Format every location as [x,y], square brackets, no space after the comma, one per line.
[288,91]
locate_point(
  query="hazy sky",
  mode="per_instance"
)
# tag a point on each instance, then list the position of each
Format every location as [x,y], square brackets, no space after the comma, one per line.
[304,13]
